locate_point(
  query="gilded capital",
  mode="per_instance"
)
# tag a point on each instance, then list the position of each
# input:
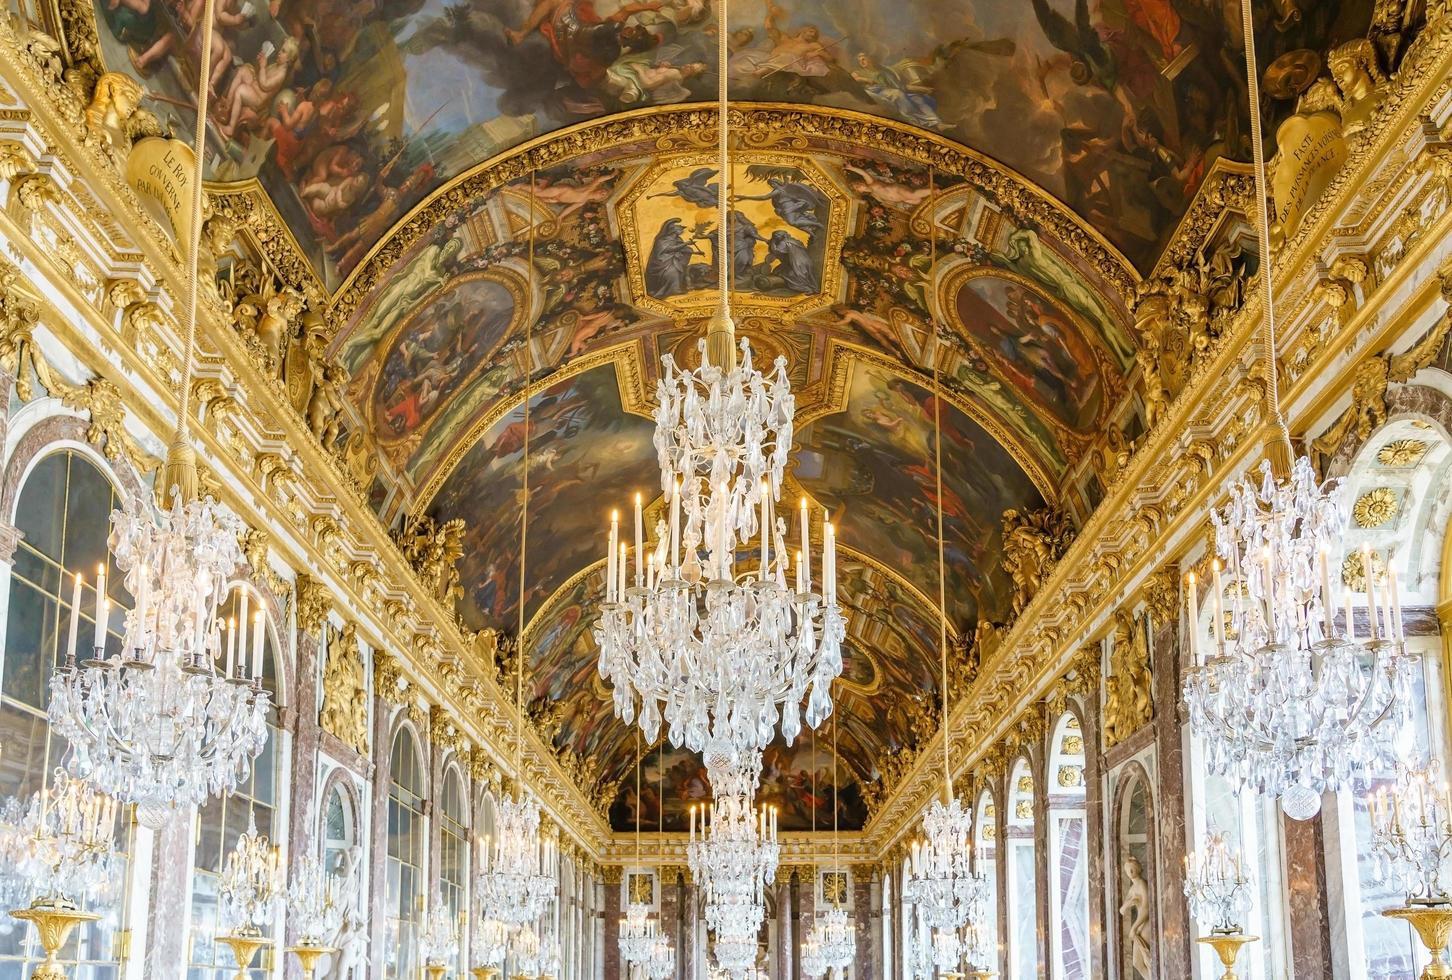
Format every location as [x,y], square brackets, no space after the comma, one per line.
[443,731]
[314,601]
[612,874]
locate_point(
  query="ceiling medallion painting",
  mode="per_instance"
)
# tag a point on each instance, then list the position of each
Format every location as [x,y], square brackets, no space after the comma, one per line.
[349,114]
[786,229]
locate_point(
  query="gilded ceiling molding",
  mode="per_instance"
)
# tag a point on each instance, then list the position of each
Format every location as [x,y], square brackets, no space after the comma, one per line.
[757,125]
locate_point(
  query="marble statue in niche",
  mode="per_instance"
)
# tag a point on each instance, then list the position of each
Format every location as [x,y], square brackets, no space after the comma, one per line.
[1134,914]
[350,962]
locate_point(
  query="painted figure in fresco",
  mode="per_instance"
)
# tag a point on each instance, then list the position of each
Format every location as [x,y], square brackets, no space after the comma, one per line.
[582,41]
[744,238]
[1028,255]
[670,258]
[429,270]
[896,89]
[695,188]
[796,202]
[369,227]
[791,261]
[641,78]
[799,64]
[249,95]
[574,195]
[888,192]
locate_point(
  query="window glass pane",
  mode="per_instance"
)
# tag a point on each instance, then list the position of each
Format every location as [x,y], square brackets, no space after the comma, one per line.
[404,898]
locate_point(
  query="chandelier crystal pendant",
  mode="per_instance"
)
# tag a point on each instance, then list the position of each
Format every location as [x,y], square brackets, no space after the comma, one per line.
[660,962]
[160,724]
[637,934]
[723,654]
[814,957]
[838,938]
[251,885]
[734,852]
[1287,702]
[315,902]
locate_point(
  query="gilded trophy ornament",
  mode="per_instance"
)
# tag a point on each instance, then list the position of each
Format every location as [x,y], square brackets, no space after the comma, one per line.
[345,695]
[1128,705]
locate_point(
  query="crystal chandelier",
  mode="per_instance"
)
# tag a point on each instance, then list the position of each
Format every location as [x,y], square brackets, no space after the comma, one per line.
[1287,703]
[980,946]
[515,883]
[722,654]
[491,943]
[941,882]
[159,723]
[814,958]
[660,963]
[438,944]
[15,845]
[524,951]
[251,884]
[735,852]
[637,929]
[735,954]
[315,902]
[838,938]
[518,870]
[1411,836]
[63,847]
[1217,886]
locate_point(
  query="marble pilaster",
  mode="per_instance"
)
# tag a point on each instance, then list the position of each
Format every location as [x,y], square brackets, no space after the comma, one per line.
[171,867]
[1095,828]
[1175,935]
[378,847]
[302,780]
[611,932]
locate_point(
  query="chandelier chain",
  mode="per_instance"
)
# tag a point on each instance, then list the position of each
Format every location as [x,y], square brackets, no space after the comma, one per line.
[938,503]
[1279,448]
[194,230]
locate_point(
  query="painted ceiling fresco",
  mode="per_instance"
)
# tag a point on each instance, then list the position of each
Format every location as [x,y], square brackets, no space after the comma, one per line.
[840,261]
[349,112]
[888,682]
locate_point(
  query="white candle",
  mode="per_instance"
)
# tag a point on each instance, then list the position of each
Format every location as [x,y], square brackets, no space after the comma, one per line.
[75,618]
[231,645]
[639,541]
[621,566]
[765,533]
[1217,607]
[610,595]
[693,821]
[242,635]
[1371,612]
[806,558]
[257,645]
[1394,603]
[100,616]
[1190,591]
[800,587]
[1350,619]
[103,623]
[676,528]
[1325,593]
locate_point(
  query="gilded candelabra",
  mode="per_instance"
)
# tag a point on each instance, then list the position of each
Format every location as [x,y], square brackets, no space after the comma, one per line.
[1433,923]
[308,955]
[1411,843]
[1227,947]
[244,946]
[485,972]
[53,925]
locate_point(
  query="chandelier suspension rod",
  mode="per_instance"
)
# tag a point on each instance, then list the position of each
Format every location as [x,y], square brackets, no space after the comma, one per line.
[1278,441]
[836,804]
[938,479]
[523,519]
[720,332]
[180,469]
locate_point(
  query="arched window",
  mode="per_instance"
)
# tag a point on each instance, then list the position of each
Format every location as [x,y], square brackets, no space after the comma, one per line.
[1023,929]
[63,515]
[1068,852]
[454,851]
[407,835]
[985,854]
[221,820]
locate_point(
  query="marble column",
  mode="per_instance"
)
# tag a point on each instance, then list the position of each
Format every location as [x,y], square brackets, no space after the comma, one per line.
[1306,891]
[612,922]
[171,869]
[1043,935]
[383,713]
[1175,935]
[690,905]
[311,606]
[1002,802]
[797,920]
[865,907]
[1095,829]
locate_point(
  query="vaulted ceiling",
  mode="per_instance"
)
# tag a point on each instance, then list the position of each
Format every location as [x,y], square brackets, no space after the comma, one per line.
[480,188]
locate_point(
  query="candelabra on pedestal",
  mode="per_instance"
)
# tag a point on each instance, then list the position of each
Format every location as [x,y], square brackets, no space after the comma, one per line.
[248,893]
[52,928]
[1411,841]
[1217,888]
[315,911]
